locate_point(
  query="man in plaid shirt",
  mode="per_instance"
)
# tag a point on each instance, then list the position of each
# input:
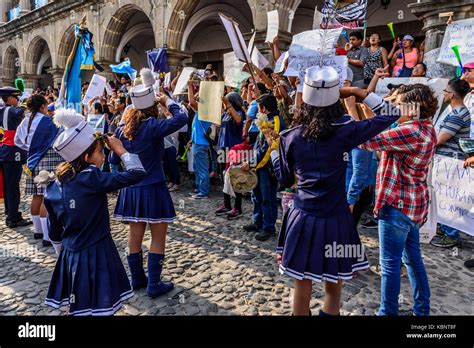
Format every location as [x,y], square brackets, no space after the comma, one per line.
[402,193]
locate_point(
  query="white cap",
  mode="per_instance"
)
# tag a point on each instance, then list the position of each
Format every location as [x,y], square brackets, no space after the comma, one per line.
[143,95]
[76,138]
[321,86]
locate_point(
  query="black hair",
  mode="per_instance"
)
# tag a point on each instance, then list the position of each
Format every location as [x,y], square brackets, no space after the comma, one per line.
[460,87]
[357,34]
[34,104]
[268,71]
[422,96]
[262,88]
[98,107]
[269,102]
[425,68]
[318,121]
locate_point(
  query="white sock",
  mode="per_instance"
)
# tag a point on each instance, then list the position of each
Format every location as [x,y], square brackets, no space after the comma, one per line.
[44,224]
[37,223]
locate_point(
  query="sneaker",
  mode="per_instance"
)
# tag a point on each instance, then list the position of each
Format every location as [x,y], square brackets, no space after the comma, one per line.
[234,214]
[371,224]
[376,270]
[252,228]
[445,242]
[264,235]
[214,175]
[222,210]
[47,243]
[199,196]
[173,188]
[20,223]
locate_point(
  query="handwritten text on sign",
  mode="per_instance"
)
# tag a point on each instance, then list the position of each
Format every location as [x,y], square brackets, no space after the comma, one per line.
[454,188]
[459,33]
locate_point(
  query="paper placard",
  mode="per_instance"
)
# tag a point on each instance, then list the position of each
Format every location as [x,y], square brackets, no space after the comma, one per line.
[435,69]
[337,62]
[459,33]
[97,122]
[258,59]
[96,88]
[236,38]
[279,67]
[272,25]
[182,84]
[437,85]
[233,70]
[454,189]
[210,101]
[167,80]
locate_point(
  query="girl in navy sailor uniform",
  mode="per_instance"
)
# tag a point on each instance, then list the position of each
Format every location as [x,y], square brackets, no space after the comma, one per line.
[320,223]
[36,135]
[148,201]
[89,276]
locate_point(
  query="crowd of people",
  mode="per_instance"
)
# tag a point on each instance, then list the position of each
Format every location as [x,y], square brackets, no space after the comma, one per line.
[333,152]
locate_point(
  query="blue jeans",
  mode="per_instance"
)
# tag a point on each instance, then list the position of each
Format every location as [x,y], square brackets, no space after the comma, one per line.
[201,168]
[264,199]
[400,239]
[450,232]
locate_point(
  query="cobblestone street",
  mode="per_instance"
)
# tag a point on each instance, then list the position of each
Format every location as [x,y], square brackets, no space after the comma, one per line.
[218,269]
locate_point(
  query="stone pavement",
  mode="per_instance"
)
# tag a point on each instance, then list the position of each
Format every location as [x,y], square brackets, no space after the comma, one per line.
[218,269]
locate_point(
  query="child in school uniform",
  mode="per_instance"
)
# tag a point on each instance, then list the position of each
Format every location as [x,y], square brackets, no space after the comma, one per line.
[89,276]
[148,201]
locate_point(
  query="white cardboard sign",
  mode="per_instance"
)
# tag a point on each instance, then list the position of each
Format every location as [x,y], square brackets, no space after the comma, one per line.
[272,25]
[181,85]
[236,38]
[459,33]
[96,88]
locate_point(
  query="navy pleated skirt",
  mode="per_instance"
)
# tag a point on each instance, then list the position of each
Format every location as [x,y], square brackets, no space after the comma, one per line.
[92,281]
[151,204]
[320,248]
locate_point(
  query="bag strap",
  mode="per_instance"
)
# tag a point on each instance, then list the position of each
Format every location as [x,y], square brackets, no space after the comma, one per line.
[5,118]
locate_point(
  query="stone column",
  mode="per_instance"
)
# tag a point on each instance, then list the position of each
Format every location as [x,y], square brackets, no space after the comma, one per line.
[434,27]
[3,11]
[57,76]
[25,6]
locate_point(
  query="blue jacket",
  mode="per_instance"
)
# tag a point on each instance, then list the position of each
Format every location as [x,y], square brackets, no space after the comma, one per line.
[149,145]
[78,211]
[8,151]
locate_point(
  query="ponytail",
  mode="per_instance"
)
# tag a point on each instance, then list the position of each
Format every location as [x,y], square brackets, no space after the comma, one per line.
[34,104]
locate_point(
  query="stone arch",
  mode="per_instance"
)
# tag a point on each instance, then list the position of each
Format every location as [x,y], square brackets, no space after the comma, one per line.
[37,55]
[302,15]
[127,23]
[11,64]
[65,46]
[178,20]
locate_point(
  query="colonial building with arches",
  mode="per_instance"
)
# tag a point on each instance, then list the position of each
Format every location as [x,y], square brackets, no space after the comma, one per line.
[36,37]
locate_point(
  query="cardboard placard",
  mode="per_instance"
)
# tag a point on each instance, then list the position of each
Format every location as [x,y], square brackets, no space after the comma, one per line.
[96,88]
[182,84]
[459,33]
[236,38]
[210,101]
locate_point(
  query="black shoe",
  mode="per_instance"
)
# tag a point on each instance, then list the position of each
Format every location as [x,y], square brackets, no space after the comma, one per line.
[469,263]
[47,243]
[38,236]
[264,235]
[251,228]
[20,223]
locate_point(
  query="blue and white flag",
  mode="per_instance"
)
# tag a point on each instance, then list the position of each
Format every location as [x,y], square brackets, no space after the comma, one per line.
[124,68]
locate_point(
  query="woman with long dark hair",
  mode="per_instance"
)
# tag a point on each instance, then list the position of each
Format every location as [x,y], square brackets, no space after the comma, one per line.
[318,240]
[149,201]
[36,134]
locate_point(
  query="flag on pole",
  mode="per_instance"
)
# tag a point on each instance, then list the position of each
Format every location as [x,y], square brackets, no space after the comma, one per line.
[158,61]
[81,59]
[124,68]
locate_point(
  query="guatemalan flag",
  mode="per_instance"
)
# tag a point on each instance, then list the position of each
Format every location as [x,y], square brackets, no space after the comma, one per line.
[158,61]
[81,59]
[124,68]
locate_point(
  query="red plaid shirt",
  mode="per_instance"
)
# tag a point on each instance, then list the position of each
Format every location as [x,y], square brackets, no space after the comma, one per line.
[407,152]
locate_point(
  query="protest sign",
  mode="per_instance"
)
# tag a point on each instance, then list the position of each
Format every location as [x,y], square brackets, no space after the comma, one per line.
[236,38]
[337,62]
[344,14]
[279,66]
[272,25]
[259,59]
[437,85]
[210,101]
[181,85]
[96,88]
[435,69]
[233,70]
[318,19]
[27,93]
[97,122]
[454,189]
[459,33]
[167,80]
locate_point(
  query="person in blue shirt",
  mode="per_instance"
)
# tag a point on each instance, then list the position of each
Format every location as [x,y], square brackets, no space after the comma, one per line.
[148,201]
[231,134]
[250,129]
[200,149]
[89,276]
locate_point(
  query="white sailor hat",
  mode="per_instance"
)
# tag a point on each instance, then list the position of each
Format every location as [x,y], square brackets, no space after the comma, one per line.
[321,86]
[143,95]
[76,138]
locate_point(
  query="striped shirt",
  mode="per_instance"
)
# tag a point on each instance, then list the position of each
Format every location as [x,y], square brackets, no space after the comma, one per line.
[458,124]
